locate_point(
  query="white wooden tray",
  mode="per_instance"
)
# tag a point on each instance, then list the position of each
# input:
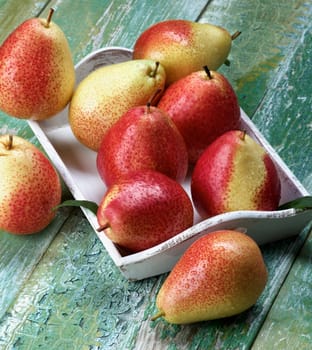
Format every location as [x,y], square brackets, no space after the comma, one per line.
[77,165]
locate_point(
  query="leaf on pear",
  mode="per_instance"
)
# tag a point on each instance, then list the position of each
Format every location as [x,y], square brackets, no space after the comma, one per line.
[92,206]
[298,203]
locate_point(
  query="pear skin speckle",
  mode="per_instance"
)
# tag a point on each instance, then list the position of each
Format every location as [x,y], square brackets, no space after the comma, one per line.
[235,174]
[143,138]
[143,209]
[202,108]
[37,73]
[183,47]
[219,275]
[107,93]
[29,188]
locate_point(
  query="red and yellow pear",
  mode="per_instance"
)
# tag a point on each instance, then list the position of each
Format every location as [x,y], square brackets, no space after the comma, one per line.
[203,105]
[30,187]
[183,46]
[221,274]
[143,209]
[144,138]
[235,173]
[105,94]
[37,74]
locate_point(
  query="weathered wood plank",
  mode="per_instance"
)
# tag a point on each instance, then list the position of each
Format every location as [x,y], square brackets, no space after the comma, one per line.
[19,255]
[279,71]
[285,114]
[270,30]
[114,23]
[14,12]
[288,325]
[76,298]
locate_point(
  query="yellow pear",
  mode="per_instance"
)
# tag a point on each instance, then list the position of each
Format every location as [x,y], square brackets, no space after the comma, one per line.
[107,93]
[183,47]
[235,173]
[30,187]
[220,275]
[37,74]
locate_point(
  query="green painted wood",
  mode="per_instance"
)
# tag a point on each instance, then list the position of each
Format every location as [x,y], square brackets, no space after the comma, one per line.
[114,23]
[285,114]
[288,325]
[280,73]
[13,12]
[75,298]
[19,255]
[270,30]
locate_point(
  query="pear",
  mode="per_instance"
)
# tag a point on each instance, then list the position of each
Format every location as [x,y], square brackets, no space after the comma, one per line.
[203,105]
[29,187]
[107,93]
[183,46]
[143,138]
[235,173]
[220,275]
[143,209]
[37,74]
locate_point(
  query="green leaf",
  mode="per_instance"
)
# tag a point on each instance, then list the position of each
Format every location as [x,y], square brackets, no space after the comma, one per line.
[227,62]
[79,203]
[299,203]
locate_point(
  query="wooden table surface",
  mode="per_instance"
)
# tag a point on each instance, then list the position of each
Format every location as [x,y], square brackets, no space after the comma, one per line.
[60,289]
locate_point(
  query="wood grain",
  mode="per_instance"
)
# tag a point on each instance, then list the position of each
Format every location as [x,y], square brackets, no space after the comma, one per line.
[12,13]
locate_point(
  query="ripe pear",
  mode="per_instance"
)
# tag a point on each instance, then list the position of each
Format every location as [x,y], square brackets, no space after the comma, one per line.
[235,173]
[107,93]
[183,46]
[144,209]
[143,138]
[203,105]
[220,275]
[37,74]
[29,187]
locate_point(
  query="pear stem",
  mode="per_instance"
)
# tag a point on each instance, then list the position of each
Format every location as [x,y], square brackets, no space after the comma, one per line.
[153,97]
[148,108]
[235,35]
[153,74]
[207,72]
[243,135]
[10,143]
[103,227]
[49,17]
[158,315]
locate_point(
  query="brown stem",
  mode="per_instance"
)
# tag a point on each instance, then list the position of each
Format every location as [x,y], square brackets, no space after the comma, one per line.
[235,35]
[154,72]
[148,107]
[207,72]
[154,96]
[10,143]
[243,134]
[49,16]
[103,227]
[159,314]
